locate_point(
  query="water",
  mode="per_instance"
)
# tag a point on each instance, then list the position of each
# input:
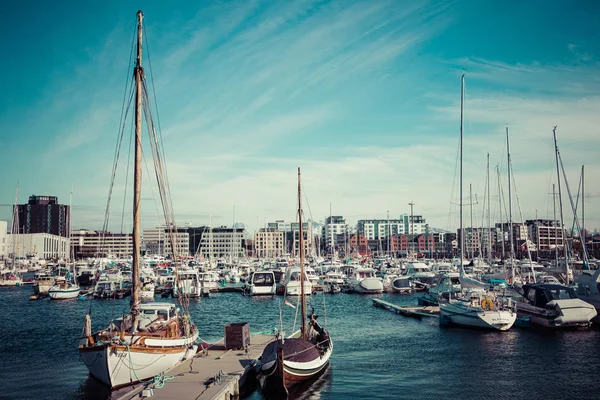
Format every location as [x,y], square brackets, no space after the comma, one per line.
[377,354]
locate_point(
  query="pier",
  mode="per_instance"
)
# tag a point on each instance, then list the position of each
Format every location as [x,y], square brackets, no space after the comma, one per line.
[215,373]
[416,312]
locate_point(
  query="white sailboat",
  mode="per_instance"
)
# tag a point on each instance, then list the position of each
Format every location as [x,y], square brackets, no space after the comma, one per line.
[478,308]
[153,337]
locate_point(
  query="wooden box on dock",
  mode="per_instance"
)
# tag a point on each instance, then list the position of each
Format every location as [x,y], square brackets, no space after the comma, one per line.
[237,335]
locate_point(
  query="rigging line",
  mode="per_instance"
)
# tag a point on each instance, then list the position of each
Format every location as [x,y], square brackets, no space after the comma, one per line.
[456,161]
[132,134]
[162,146]
[128,80]
[114,171]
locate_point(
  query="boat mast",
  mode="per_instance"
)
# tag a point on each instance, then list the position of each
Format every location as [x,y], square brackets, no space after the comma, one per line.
[462,234]
[489,235]
[500,204]
[510,224]
[555,225]
[471,208]
[137,178]
[582,236]
[301,243]
[560,207]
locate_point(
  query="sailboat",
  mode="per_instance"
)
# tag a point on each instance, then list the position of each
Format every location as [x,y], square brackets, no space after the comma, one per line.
[287,362]
[153,337]
[478,308]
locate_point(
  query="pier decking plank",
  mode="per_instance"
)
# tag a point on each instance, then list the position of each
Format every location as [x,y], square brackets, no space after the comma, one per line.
[418,312]
[190,377]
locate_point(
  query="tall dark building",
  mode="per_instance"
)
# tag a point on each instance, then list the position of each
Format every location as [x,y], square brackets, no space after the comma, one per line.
[43,214]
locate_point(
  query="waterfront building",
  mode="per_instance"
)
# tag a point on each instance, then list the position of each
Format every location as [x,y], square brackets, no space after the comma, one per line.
[335,234]
[546,234]
[375,229]
[307,235]
[89,243]
[42,245]
[269,242]
[478,241]
[3,238]
[221,242]
[158,241]
[43,214]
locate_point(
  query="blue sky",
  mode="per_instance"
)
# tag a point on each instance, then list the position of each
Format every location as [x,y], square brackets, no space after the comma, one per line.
[362,95]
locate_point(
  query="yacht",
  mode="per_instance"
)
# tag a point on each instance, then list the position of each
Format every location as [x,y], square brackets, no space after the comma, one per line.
[189,283]
[260,283]
[554,306]
[290,283]
[64,290]
[43,283]
[419,274]
[363,280]
[447,287]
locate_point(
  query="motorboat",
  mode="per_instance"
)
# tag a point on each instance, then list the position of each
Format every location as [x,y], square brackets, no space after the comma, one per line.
[363,280]
[401,284]
[587,287]
[188,283]
[554,306]
[448,287]
[209,280]
[419,273]
[260,283]
[290,283]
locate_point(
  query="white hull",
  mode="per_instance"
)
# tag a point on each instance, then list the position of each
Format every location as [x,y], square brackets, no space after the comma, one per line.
[474,317]
[72,293]
[117,365]
[260,290]
[293,288]
[11,283]
[369,286]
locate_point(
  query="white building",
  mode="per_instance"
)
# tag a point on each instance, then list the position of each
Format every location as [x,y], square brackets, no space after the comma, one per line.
[335,234]
[3,235]
[222,243]
[158,241]
[269,243]
[87,243]
[42,245]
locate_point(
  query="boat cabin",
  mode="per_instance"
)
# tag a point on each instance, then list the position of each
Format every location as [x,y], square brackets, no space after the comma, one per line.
[539,295]
[262,278]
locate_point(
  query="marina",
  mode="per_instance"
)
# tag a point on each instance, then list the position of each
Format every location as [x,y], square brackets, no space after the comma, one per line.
[408,356]
[200,302]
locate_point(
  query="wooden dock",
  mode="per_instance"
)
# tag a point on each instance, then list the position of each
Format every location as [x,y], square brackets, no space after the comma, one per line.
[417,312]
[216,373]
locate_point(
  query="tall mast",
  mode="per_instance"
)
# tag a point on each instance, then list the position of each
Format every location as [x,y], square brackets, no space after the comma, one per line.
[555,224]
[560,207]
[500,204]
[471,208]
[489,235]
[583,216]
[462,234]
[301,242]
[137,178]
[510,224]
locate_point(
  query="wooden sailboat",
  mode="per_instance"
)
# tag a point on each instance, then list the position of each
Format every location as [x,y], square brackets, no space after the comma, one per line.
[153,337]
[289,362]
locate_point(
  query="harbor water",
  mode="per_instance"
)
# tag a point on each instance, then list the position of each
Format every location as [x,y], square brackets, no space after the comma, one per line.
[377,354]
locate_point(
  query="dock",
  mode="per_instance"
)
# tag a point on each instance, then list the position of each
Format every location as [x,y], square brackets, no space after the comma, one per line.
[416,312]
[215,374]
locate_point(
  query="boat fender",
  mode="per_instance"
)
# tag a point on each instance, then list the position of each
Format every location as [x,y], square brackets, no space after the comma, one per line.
[487,304]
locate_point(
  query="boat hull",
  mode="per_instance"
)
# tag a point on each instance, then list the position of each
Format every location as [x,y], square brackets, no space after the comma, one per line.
[369,286]
[469,317]
[64,294]
[116,365]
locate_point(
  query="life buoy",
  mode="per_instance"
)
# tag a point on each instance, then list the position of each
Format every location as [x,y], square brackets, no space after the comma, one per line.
[487,304]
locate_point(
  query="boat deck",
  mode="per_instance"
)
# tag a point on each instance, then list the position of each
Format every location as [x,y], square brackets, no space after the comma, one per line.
[214,374]
[417,312]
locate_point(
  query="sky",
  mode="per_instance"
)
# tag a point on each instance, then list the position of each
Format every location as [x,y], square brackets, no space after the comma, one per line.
[363,96]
